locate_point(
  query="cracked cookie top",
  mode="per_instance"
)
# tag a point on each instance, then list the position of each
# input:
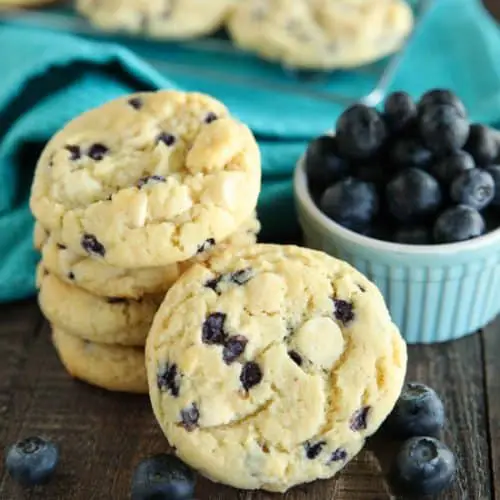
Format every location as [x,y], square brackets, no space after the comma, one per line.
[148,179]
[268,367]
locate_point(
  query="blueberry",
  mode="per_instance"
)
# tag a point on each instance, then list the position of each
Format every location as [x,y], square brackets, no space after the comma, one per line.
[474,188]
[458,223]
[413,195]
[413,236]
[399,111]
[443,129]
[453,165]
[409,152]
[423,466]
[494,171]
[418,412]
[351,202]
[324,166]
[371,171]
[482,145]
[361,132]
[32,461]
[251,375]
[163,477]
[97,151]
[438,97]
[211,117]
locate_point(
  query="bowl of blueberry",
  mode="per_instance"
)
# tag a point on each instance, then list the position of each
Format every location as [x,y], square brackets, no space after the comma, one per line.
[410,195]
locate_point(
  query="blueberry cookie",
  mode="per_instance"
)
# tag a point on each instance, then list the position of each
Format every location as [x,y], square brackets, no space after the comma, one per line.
[162,19]
[148,180]
[102,279]
[321,34]
[115,368]
[107,320]
[270,366]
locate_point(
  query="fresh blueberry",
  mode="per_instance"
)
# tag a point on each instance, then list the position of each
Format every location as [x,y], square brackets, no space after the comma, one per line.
[324,166]
[438,97]
[351,202]
[452,166]
[443,129]
[482,145]
[458,223]
[32,461]
[423,466]
[474,188]
[399,111]
[418,412]
[371,171]
[361,132]
[413,236]
[409,153]
[413,195]
[163,477]
[494,171]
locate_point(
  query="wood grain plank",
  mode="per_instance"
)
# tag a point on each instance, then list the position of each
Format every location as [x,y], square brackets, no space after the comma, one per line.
[19,324]
[491,343]
[455,371]
[104,435]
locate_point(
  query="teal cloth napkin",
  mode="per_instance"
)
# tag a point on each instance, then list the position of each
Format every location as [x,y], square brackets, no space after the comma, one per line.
[47,78]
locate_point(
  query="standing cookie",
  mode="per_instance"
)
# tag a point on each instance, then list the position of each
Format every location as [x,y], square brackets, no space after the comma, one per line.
[148,180]
[270,366]
[163,19]
[321,34]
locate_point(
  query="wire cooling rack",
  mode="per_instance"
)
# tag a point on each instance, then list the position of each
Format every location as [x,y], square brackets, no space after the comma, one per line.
[367,84]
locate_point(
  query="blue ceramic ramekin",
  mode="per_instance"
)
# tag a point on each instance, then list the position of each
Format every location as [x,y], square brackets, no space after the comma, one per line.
[434,293]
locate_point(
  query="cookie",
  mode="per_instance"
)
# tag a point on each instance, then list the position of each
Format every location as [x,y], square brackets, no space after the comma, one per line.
[161,19]
[24,3]
[100,278]
[321,34]
[40,236]
[107,320]
[270,366]
[148,179]
[115,368]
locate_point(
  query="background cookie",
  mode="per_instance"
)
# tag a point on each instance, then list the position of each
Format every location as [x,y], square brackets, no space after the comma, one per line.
[321,34]
[246,336]
[148,180]
[115,368]
[25,3]
[107,320]
[99,278]
[165,19]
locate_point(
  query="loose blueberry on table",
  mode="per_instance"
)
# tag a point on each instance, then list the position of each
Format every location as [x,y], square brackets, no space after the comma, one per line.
[163,477]
[423,466]
[419,169]
[32,461]
[418,412]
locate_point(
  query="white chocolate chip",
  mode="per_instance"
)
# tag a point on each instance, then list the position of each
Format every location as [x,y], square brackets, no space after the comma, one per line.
[319,340]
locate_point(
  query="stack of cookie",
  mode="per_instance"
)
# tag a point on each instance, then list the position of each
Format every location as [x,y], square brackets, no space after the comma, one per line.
[127,196]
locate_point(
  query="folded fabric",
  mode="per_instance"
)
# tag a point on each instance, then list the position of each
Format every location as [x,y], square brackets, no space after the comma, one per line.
[48,78]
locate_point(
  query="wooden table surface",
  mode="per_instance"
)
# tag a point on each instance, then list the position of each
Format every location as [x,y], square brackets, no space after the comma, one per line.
[102,436]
